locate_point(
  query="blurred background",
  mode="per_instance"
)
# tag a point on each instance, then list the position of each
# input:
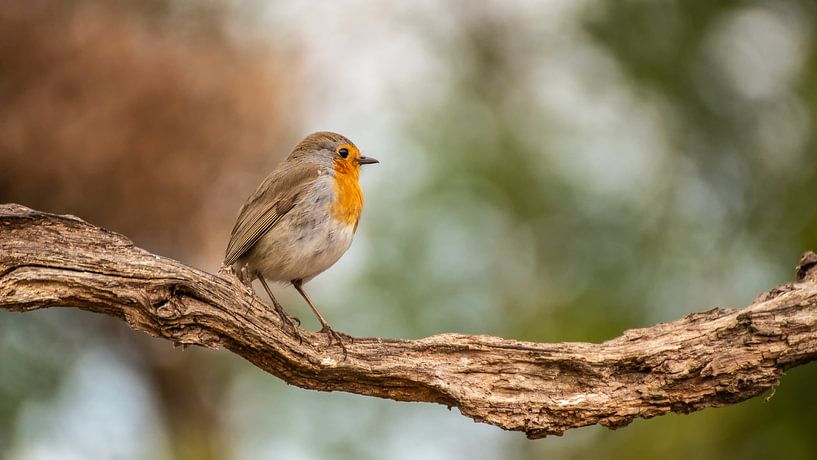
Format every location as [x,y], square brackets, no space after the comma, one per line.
[551,170]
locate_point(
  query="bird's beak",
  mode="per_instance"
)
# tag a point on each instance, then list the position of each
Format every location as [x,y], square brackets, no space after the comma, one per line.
[366,160]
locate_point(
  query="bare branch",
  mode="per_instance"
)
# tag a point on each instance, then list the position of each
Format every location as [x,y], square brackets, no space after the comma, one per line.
[707,359]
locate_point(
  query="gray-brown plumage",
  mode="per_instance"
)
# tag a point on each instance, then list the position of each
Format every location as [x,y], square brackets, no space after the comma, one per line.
[275,197]
[302,217]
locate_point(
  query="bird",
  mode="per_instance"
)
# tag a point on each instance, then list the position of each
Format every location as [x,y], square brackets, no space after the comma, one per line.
[301,219]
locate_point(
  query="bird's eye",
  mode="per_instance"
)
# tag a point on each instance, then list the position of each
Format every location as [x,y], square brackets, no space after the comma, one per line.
[343,152]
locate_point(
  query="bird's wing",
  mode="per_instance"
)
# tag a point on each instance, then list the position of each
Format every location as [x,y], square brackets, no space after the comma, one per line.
[275,197]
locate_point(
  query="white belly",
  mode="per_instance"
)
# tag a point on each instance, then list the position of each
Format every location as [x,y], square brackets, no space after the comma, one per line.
[300,247]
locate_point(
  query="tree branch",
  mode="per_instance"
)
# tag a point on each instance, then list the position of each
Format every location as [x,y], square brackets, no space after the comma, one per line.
[707,359]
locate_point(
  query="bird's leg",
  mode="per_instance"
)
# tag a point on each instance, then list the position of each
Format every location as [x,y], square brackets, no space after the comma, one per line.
[280,310]
[330,333]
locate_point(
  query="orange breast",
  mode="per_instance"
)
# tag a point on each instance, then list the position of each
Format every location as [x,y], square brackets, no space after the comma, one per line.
[348,196]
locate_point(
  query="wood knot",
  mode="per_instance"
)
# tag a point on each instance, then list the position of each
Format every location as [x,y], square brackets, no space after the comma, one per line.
[807,268]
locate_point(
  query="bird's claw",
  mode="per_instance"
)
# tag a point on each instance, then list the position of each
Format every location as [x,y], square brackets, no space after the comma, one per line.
[331,333]
[290,325]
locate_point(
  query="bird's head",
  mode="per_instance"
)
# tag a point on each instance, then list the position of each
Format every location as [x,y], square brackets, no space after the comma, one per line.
[333,151]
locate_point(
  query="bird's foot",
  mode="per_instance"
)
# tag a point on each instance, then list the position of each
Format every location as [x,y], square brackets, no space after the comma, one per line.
[332,334]
[289,324]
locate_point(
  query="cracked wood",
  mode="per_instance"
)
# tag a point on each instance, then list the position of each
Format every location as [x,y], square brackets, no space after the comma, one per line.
[708,359]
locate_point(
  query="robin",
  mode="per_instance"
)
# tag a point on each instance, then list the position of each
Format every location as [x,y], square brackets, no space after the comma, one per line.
[301,219]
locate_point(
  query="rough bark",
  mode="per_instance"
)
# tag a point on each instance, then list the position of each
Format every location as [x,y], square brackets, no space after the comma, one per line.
[713,358]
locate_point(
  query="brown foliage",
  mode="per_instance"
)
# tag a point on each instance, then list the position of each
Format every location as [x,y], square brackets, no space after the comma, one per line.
[154,123]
